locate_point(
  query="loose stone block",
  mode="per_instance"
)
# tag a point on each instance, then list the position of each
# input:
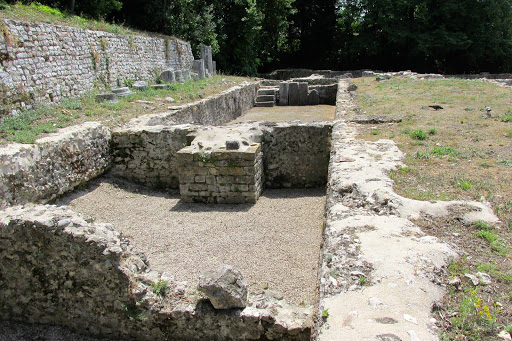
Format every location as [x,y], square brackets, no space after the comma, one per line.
[199,68]
[186,75]
[283,93]
[179,76]
[168,76]
[214,68]
[303,93]
[111,98]
[313,98]
[140,85]
[206,55]
[293,93]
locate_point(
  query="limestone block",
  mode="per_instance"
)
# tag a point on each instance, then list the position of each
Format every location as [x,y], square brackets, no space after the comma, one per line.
[168,76]
[179,76]
[186,75]
[313,98]
[199,68]
[140,85]
[214,68]
[293,93]
[283,93]
[206,55]
[303,93]
[226,288]
[110,97]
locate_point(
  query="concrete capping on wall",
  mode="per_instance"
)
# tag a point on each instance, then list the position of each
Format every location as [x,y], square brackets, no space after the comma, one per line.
[54,164]
[214,110]
[45,63]
[296,155]
[63,270]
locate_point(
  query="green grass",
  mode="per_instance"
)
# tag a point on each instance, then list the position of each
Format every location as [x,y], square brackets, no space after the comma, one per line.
[40,13]
[160,288]
[418,134]
[27,126]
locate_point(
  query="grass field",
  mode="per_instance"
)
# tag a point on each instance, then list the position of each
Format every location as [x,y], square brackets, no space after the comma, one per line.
[457,152]
[31,124]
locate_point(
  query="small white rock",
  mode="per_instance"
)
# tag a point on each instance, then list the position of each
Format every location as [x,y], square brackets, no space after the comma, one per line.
[411,319]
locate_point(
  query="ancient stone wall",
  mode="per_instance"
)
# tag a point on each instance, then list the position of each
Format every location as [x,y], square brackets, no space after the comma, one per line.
[221,176]
[214,110]
[296,155]
[43,62]
[62,270]
[147,154]
[54,164]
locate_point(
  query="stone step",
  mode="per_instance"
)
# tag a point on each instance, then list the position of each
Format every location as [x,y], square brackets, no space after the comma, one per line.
[265,98]
[268,91]
[264,104]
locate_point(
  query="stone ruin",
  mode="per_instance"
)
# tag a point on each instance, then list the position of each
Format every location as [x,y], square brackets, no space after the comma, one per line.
[67,271]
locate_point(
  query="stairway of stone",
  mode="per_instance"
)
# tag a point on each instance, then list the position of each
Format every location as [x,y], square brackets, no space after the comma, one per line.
[266,96]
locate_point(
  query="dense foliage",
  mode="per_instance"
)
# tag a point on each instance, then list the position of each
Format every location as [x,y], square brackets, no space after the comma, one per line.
[247,36]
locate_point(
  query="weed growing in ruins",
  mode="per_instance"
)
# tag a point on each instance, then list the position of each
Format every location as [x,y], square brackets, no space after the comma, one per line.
[506,118]
[325,313]
[418,134]
[160,288]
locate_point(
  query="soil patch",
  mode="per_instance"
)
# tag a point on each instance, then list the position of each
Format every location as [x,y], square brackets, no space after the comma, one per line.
[311,113]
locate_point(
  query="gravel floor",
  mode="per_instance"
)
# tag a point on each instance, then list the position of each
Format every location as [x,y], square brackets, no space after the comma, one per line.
[275,243]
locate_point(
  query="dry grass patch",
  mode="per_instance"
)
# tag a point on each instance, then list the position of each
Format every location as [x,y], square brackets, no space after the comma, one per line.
[457,152]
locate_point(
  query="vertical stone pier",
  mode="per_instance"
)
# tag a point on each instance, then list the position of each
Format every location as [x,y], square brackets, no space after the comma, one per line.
[221,176]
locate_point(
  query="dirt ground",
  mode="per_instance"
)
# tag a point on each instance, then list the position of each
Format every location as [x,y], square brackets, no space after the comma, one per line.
[275,243]
[309,113]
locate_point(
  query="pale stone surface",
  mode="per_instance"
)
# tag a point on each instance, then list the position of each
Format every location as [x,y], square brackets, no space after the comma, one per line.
[369,230]
[226,288]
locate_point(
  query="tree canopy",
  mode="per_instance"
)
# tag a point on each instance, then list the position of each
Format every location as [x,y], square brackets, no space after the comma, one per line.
[250,36]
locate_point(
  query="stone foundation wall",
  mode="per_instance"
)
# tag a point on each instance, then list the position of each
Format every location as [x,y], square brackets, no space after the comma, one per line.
[296,155]
[54,165]
[43,62]
[221,176]
[215,110]
[147,154]
[60,269]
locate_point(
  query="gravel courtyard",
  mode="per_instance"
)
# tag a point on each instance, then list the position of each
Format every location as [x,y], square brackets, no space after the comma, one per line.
[275,243]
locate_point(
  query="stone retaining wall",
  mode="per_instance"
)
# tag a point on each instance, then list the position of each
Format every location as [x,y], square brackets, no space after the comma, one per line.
[214,110]
[43,62]
[296,155]
[54,165]
[147,154]
[62,270]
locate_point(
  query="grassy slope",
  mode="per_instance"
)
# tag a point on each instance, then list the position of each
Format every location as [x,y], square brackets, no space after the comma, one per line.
[31,124]
[460,154]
